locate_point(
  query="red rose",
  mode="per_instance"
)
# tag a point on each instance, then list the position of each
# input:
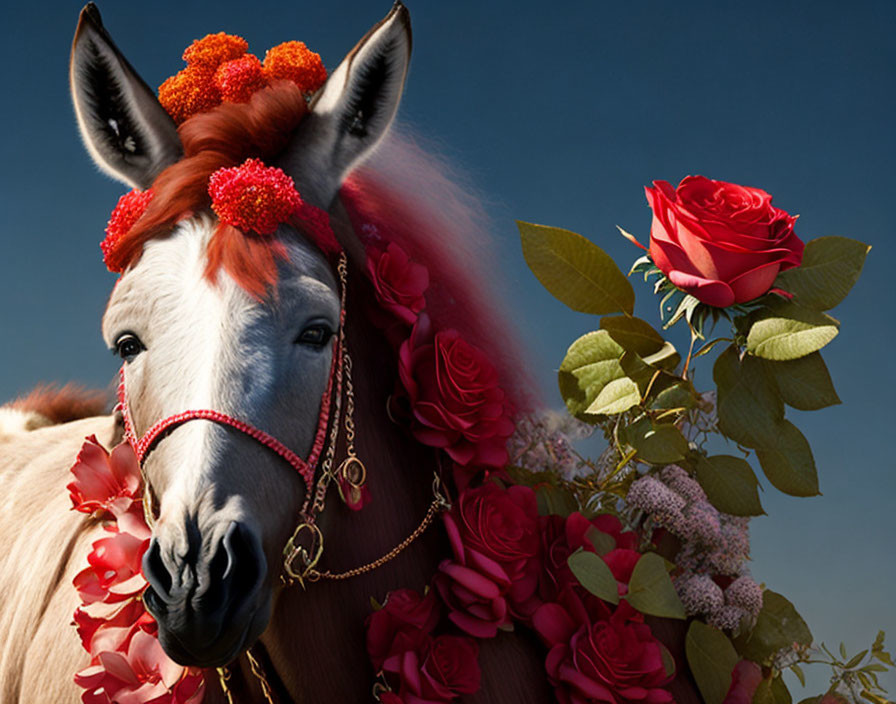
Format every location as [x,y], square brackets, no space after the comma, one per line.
[616,660]
[447,666]
[399,283]
[404,623]
[502,525]
[563,536]
[718,241]
[745,679]
[454,397]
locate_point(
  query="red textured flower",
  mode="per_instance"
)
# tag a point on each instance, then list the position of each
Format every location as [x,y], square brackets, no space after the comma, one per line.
[214,49]
[102,478]
[237,80]
[190,91]
[404,623]
[293,61]
[253,197]
[455,399]
[127,212]
[617,661]
[399,283]
[447,667]
[143,674]
[501,525]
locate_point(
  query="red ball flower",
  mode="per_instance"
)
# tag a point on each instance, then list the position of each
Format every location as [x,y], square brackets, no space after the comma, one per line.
[253,197]
[237,80]
[214,49]
[190,91]
[447,667]
[127,212]
[721,242]
[404,623]
[455,399]
[293,61]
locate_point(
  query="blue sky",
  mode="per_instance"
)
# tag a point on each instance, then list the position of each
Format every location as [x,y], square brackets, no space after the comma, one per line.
[560,115]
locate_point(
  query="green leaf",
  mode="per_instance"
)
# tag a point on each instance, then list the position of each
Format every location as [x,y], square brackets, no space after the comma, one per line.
[657,443]
[788,331]
[708,347]
[856,659]
[666,357]
[830,268]
[650,590]
[800,675]
[602,542]
[590,364]
[749,407]
[633,334]
[593,574]
[617,396]
[772,691]
[788,463]
[576,271]
[711,658]
[804,383]
[777,626]
[877,650]
[555,501]
[730,484]
[676,396]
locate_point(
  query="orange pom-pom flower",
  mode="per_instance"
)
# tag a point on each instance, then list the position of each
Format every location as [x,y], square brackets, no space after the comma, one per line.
[214,49]
[189,91]
[129,210]
[253,197]
[295,62]
[237,80]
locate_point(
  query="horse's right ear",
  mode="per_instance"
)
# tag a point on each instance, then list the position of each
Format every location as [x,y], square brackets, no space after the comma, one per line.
[125,129]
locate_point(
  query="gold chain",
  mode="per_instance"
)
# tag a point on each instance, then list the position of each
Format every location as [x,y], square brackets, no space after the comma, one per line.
[223,678]
[259,675]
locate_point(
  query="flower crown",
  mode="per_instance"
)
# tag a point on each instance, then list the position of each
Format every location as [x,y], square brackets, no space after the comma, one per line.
[252,197]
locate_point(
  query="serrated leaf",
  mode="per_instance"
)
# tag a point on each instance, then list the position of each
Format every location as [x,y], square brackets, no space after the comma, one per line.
[711,658]
[594,574]
[617,396]
[804,383]
[830,268]
[730,484]
[788,331]
[749,406]
[633,334]
[657,443]
[650,590]
[575,270]
[788,463]
[591,363]
[777,626]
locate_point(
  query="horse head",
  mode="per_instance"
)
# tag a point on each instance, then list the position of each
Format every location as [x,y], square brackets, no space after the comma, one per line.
[194,333]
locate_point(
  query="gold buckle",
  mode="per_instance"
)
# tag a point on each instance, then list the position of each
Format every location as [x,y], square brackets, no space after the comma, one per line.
[307,555]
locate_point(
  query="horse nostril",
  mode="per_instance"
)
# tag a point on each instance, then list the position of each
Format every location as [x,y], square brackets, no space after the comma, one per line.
[155,571]
[236,568]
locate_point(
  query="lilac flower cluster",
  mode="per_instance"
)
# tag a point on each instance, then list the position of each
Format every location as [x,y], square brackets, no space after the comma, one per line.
[713,544]
[544,439]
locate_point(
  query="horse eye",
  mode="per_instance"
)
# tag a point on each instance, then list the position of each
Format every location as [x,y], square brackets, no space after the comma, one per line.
[128,346]
[315,335]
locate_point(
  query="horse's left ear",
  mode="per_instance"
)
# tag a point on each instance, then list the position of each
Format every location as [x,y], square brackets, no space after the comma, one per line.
[352,111]
[125,128]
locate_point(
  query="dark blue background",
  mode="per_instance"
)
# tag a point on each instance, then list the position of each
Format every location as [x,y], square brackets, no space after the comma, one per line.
[561,114]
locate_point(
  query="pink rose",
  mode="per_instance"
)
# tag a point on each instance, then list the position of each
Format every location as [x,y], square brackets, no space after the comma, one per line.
[720,242]
[454,398]
[447,667]
[404,623]
[398,282]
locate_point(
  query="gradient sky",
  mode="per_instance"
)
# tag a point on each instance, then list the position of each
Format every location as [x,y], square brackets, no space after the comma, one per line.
[560,114]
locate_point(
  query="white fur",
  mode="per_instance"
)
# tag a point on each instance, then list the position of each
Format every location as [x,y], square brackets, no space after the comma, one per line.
[14,421]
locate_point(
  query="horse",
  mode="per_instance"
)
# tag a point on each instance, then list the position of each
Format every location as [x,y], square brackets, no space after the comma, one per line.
[205,321]
[189,340]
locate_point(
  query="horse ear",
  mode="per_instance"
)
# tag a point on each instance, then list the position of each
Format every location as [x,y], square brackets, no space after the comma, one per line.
[125,129]
[352,111]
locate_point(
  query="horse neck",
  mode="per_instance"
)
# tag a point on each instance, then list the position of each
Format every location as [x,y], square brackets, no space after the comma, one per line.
[316,639]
